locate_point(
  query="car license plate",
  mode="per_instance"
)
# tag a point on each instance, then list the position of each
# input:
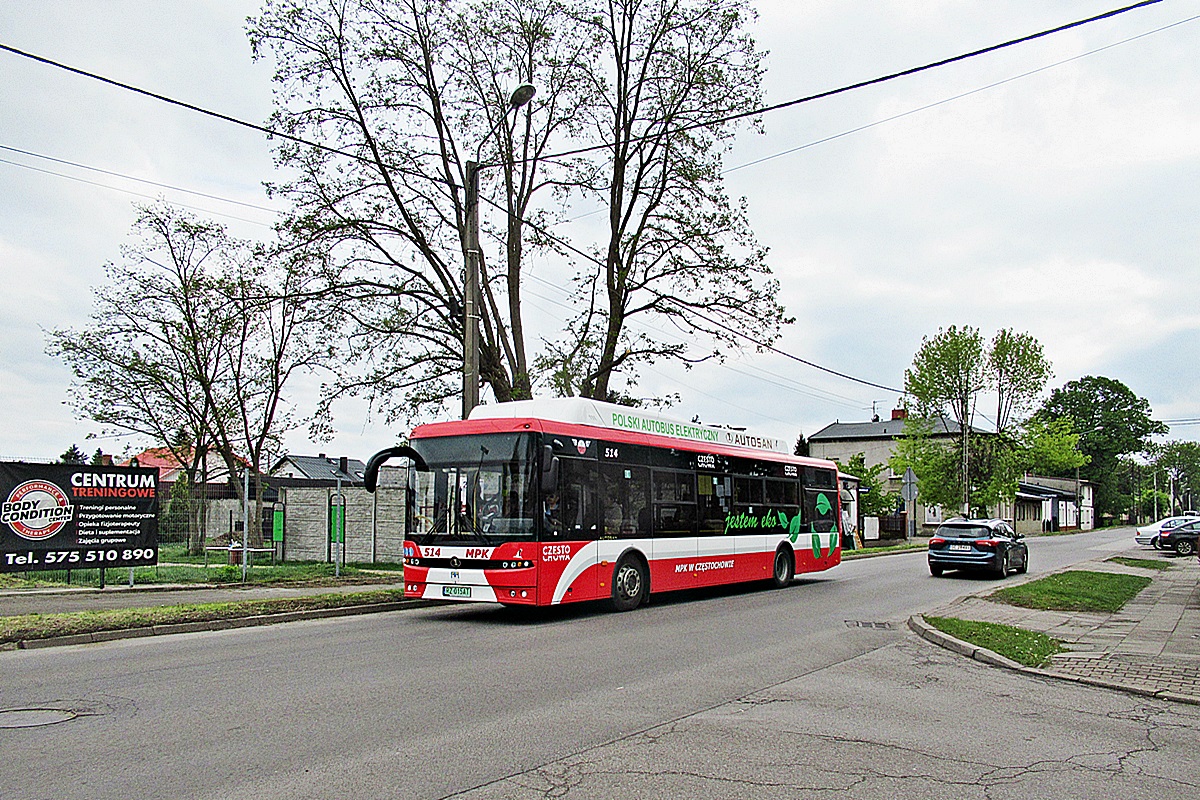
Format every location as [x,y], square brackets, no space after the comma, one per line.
[960,548]
[456,591]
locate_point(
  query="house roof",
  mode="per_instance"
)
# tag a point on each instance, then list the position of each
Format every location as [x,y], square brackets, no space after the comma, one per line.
[169,467]
[1034,491]
[321,467]
[883,429]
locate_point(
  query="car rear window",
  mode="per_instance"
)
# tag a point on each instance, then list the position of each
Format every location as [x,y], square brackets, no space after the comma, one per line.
[965,531]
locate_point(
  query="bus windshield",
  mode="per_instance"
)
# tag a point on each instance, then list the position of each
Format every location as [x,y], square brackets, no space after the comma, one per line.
[477,488]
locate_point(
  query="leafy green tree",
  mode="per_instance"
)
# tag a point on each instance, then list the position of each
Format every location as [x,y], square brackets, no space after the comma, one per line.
[1180,463]
[1051,447]
[73,455]
[951,372]
[802,446]
[944,382]
[873,499]
[936,462]
[1018,371]
[1037,446]
[1112,421]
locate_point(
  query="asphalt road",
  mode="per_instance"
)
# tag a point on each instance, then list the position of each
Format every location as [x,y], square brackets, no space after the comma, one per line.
[735,693]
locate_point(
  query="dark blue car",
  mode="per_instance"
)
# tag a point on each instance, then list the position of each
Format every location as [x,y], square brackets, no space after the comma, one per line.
[989,545]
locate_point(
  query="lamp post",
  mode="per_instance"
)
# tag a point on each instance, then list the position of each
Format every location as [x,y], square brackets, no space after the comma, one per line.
[470,394]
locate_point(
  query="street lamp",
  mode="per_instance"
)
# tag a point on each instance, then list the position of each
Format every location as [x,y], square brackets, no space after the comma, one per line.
[520,96]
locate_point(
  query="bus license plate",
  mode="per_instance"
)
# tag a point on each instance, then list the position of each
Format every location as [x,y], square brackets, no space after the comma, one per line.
[456,591]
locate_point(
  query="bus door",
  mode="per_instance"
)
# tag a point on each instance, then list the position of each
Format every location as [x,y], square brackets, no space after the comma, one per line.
[674,516]
[747,538]
[571,525]
[714,516]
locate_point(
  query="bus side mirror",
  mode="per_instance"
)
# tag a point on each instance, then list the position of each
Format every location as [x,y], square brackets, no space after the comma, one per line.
[371,474]
[549,469]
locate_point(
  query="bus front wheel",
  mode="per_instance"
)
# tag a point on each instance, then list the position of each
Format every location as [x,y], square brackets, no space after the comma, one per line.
[630,584]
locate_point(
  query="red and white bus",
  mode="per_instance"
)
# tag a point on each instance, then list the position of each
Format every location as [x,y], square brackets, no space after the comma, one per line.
[540,502]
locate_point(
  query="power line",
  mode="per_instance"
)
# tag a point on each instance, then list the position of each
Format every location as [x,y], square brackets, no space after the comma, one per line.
[123,176]
[705,124]
[851,87]
[756,342]
[180,103]
[129,192]
[959,96]
[593,148]
[935,104]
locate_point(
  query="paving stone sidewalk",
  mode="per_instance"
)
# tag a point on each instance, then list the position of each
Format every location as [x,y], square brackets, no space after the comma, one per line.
[1151,646]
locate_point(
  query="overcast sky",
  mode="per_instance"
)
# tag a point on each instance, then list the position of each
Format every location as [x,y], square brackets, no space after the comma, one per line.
[1046,187]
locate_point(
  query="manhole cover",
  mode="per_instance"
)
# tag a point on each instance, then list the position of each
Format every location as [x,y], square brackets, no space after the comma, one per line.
[33,717]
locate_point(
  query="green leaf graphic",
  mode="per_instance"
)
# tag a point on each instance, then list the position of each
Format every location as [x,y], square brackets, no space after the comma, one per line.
[823,505]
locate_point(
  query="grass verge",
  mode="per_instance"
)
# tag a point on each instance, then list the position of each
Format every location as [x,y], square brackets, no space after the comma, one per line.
[1025,647]
[1075,590]
[308,573]
[45,626]
[875,551]
[1142,563]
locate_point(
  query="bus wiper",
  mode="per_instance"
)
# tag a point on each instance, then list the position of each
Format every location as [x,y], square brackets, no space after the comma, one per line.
[467,524]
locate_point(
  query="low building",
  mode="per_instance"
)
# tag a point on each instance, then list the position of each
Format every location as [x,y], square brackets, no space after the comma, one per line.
[1051,504]
[876,441]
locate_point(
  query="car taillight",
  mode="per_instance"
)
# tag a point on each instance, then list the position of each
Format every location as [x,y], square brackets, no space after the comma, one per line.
[986,543]
[936,540]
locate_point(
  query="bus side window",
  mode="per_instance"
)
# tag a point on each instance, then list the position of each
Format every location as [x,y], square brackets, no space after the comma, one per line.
[626,500]
[674,504]
[820,510]
[783,495]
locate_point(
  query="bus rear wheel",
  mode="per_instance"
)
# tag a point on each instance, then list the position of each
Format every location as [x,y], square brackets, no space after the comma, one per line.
[630,584]
[782,575]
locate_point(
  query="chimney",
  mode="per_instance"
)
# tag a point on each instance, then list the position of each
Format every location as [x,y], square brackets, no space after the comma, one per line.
[899,413]
[344,465]
[320,455]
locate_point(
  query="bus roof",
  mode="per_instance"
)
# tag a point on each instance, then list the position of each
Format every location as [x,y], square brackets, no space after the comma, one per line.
[620,423]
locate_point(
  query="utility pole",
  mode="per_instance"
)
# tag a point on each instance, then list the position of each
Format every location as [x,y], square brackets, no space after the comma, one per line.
[470,392]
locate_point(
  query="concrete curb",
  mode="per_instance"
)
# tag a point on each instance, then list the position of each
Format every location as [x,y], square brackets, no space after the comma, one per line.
[211,625]
[151,588]
[919,626]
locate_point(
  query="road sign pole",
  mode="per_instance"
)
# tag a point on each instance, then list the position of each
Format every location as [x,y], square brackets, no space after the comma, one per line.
[908,491]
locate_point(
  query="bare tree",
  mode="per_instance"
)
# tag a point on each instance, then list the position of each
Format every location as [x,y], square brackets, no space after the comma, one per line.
[409,91]
[192,343]
[678,252]
[148,360]
[414,89]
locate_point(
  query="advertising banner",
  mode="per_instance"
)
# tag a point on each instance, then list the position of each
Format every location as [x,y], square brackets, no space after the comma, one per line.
[73,516]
